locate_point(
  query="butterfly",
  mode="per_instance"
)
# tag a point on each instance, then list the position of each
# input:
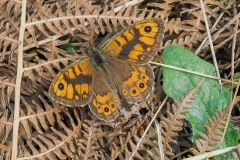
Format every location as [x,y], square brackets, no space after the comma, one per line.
[117,71]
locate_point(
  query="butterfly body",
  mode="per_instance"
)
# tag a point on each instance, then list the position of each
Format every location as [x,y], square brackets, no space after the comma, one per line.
[95,55]
[117,71]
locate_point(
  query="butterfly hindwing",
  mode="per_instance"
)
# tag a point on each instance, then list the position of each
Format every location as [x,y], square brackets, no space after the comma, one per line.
[134,82]
[105,103]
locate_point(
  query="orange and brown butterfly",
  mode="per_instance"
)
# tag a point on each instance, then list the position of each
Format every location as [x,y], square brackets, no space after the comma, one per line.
[117,71]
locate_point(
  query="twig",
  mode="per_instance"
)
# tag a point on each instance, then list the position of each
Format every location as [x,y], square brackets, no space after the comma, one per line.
[193,72]
[160,144]
[212,154]
[149,125]
[18,81]
[210,41]
[232,73]
[204,41]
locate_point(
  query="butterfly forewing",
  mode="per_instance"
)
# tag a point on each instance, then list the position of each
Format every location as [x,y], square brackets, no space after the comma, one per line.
[138,43]
[73,85]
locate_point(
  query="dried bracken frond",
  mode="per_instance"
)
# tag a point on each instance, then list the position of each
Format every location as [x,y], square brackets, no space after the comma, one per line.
[41,119]
[7,85]
[192,21]
[6,88]
[74,16]
[10,12]
[59,143]
[184,39]
[177,25]
[173,123]
[129,140]
[215,4]
[88,145]
[166,6]
[6,120]
[215,132]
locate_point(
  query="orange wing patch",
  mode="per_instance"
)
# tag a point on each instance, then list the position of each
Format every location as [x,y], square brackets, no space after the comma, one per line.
[129,34]
[105,104]
[137,83]
[148,29]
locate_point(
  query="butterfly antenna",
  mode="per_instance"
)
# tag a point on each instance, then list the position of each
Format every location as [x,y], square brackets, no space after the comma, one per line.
[91,34]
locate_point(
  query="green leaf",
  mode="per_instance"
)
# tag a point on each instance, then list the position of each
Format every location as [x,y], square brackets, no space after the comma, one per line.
[68,47]
[208,100]
[236,75]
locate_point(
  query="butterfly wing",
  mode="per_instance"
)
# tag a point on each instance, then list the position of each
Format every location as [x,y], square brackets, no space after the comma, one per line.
[73,85]
[138,43]
[134,82]
[105,103]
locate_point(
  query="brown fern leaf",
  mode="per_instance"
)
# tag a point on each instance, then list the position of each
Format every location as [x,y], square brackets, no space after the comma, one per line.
[215,4]
[58,20]
[6,120]
[10,23]
[56,143]
[75,16]
[166,6]
[148,147]
[6,89]
[66,19]
[184,32]
[129,136]
[88,146]
[187,40]
[177,25]
[7,78]
[187,27]
[7,86]
[53,20]
[172,123]
[33,115]
[122,137]
[215,130]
